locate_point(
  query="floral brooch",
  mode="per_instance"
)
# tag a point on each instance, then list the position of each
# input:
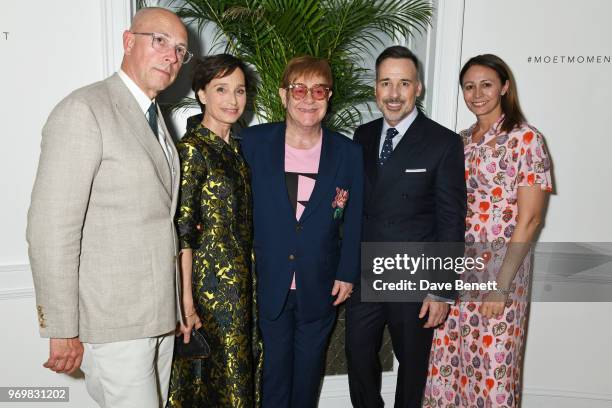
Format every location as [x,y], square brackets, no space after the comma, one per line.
[339,202]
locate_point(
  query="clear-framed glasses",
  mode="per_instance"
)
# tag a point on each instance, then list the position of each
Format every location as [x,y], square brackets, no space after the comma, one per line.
[317,91]
[161,43]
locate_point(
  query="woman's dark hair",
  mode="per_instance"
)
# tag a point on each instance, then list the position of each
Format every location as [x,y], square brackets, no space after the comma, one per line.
[509,101]
[216,66]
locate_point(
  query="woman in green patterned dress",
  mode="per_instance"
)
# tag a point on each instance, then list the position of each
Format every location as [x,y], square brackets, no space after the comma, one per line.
[215,233]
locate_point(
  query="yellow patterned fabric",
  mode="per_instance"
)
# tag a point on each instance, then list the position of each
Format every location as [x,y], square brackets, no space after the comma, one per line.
[215,220]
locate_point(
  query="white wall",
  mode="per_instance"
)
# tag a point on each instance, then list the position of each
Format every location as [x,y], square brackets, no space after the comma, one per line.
[568,103]
[568,354]
[52,48]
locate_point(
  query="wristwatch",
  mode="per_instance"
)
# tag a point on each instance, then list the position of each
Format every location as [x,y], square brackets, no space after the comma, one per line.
[504,292]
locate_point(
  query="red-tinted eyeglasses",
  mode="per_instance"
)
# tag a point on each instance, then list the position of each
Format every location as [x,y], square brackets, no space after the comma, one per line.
[318,91]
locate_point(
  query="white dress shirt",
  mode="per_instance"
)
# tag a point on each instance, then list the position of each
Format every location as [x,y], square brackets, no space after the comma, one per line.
[401,127]
[144,102]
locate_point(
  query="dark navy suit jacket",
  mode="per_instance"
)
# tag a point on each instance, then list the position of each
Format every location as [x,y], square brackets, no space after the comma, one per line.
[419,195]
[311,246]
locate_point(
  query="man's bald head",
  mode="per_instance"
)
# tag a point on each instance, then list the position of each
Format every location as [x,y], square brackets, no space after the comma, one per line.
[145,15]
[151,69]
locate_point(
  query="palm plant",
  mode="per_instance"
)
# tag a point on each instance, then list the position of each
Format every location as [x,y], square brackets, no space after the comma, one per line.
[268,33]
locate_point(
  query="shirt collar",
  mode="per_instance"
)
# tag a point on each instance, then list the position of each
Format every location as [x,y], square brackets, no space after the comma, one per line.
[141,98]
[211,138]
[404,124]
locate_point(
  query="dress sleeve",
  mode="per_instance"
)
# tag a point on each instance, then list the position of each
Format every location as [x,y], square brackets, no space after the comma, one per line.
[534,162]
[193,174]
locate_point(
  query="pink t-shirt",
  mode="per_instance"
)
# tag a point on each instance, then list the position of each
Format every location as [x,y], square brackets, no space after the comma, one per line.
[301,169]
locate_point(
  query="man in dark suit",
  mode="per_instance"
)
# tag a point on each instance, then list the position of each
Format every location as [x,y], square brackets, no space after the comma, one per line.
[414,192]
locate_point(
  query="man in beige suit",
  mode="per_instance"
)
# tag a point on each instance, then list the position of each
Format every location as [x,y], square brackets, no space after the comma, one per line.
[100,226]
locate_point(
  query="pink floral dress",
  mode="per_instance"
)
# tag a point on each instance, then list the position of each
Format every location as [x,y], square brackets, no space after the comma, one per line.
[474,361]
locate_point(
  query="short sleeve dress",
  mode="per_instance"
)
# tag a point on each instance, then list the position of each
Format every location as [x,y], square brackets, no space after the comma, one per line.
[474,361]
[215,220]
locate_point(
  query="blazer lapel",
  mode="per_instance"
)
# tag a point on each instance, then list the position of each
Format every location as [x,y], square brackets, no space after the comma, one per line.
[411,145]
[328,167]
[127,108]
[371,152]
[175,165]
[370,142]
[277,161]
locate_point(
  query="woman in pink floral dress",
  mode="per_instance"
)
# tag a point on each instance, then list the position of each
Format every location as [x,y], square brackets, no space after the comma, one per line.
[476,355]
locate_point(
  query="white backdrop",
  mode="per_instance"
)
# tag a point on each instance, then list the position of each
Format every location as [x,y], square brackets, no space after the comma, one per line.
[568,353]
[54,47]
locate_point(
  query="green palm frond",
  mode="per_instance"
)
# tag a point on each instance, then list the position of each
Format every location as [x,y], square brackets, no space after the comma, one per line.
[185,103]
[266,34]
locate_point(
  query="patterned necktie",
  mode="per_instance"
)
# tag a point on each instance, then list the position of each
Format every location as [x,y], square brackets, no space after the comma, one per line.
[153,119]
[387,148]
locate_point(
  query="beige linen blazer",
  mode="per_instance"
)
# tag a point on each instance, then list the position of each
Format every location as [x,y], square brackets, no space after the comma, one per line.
[102,241]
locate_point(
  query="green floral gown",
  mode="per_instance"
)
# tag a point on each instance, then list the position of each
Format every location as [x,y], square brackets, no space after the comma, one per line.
[214,219]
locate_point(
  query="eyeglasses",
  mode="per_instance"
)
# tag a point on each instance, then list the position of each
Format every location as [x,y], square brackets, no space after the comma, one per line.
[161,43]
[317,91]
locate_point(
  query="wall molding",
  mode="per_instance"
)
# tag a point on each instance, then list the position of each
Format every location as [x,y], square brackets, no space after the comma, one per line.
[16,282]
[447,62]
[116,17]
[335,390]
[568,394]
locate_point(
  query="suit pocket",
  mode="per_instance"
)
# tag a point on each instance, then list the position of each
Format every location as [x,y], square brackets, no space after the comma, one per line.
[115,297]
[412,177]
[413,184]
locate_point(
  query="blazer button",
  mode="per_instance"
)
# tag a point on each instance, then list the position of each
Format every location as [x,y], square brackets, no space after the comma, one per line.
[298,227]
[291,257]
